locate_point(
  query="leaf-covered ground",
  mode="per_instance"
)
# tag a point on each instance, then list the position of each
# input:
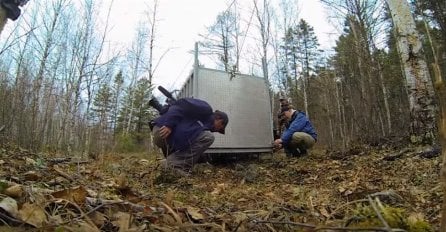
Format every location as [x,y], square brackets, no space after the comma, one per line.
[323,191]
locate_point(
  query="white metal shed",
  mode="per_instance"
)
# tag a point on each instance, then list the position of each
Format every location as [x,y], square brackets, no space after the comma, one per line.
[245,99]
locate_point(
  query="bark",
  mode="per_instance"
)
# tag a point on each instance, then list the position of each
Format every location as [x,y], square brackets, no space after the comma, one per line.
[3,19]
[441,93]
[264,19]
[419,83]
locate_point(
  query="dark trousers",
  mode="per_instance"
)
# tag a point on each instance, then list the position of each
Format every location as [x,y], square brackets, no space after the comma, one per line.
[185,159]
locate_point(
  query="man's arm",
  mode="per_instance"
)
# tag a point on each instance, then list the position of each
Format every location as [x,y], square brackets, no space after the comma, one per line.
[296,126]
[172,117]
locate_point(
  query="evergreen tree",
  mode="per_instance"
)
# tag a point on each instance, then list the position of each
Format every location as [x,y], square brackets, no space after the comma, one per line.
[102,106]
[308,53]
[117,91]
[137,98]
[308,47]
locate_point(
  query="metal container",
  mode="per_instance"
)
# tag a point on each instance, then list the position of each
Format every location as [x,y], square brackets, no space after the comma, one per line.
[245,99]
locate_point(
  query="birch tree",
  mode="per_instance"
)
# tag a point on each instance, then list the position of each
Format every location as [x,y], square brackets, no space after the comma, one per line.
[136,57]
[419,83]
[288,19]
[45,48]
[441,92]
[264,19]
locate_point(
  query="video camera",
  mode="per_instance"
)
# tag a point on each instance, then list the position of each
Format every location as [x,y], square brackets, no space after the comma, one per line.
[157,105]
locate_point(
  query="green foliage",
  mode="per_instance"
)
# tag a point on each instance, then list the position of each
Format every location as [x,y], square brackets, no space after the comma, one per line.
[365,216]
[127,143]
[135,112]
[3,186]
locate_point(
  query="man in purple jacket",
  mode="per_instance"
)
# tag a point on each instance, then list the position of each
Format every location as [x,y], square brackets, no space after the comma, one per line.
[184,132]
[299,134]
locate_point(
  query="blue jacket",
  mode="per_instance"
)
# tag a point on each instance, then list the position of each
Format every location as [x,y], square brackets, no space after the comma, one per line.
[186,126]
[299,122]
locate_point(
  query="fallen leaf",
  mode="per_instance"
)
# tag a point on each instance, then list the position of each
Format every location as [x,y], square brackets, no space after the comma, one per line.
[14,191]
[143,162]
[29,161]
[324,212]
[33,215]
[194,213]
[168,199]
[122,182]
[10,205]
[77,195]
[32,176]
[122,220]
[81,226]
[219,189]
[98,218]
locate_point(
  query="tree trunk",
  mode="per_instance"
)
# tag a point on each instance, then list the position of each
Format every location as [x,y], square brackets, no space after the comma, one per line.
[418,80]
[441,94]
[3,19]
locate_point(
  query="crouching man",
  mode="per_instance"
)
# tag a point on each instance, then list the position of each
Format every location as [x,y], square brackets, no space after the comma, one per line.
[299,134]
[184,132]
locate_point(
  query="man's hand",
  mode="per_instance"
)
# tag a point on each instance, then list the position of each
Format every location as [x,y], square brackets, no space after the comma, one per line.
[165,132]
[278,143]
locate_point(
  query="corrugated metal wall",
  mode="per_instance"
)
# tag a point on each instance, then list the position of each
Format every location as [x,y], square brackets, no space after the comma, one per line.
[246,101]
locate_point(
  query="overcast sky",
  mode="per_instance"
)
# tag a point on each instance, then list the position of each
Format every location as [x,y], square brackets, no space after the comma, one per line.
[181,22]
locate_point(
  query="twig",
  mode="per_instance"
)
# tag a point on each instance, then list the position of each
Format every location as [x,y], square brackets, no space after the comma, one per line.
[82,214]
[346,204]
[317,228]
[11,219]
[384,222]
[170,210]
[238,225]
[193,225]
[66,176]
[285,223]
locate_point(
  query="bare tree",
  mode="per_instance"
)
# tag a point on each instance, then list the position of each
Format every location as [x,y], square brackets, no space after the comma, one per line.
[365,76]
[45,47]
[264,19]
[136,58]
[152,19]
[288,19]
[222,40]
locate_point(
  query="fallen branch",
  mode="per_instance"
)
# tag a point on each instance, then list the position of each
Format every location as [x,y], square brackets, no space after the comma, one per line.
[193,225]
[81,212]
[175,215]
[61,173]
[398,155]
[321,228]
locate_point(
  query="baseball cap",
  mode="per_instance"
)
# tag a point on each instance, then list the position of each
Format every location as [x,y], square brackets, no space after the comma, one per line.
[223,116]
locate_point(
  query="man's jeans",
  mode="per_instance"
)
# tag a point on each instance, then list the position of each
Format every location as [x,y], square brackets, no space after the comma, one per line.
[185,159]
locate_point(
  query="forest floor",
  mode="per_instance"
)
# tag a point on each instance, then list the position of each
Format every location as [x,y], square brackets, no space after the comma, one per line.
[363,187]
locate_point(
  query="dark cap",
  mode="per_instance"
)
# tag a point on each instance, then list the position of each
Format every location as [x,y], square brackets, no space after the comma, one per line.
[223,116]
[285,108]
